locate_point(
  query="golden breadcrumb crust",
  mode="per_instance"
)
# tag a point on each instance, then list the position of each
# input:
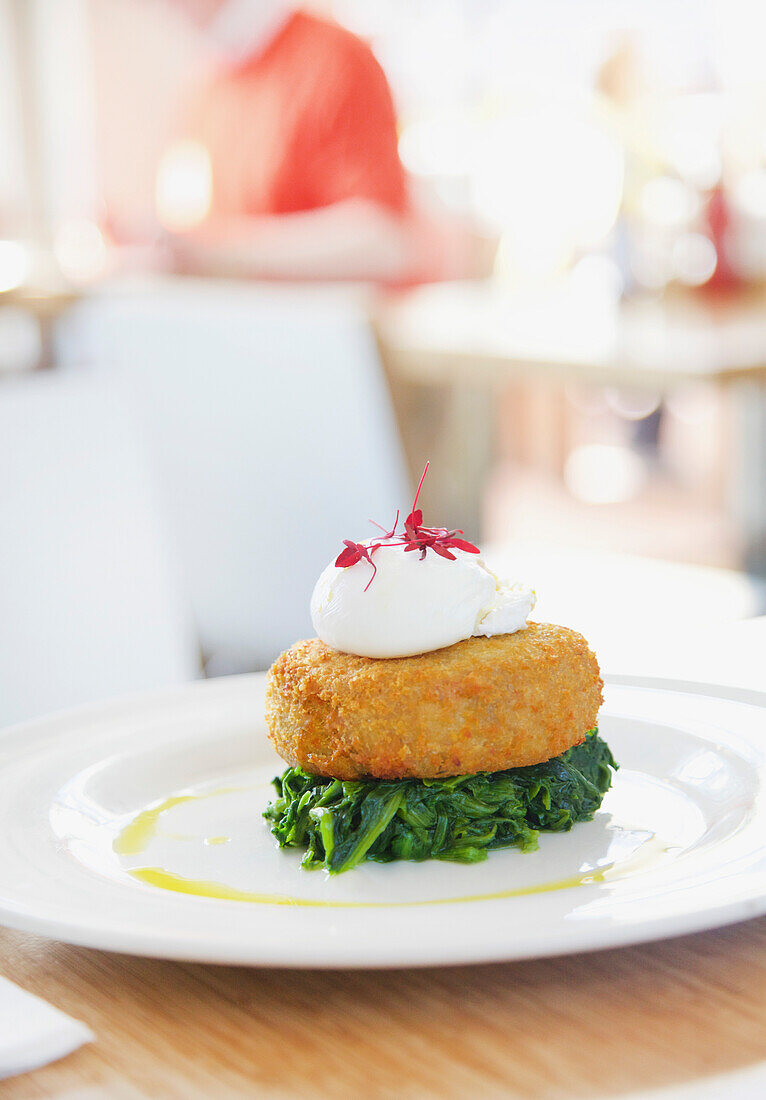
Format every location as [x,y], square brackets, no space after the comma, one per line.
[484,704]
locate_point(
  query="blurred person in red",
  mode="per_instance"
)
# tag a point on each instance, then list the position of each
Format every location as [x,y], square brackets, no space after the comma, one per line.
[299,134]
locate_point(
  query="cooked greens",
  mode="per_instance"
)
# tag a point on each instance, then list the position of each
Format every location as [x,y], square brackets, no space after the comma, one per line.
[342,822]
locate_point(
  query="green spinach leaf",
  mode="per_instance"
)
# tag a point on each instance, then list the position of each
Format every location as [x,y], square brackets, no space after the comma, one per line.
[461,818]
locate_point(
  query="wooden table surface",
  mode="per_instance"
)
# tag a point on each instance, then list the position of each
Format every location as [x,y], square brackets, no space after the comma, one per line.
[482,332]
[575,1027]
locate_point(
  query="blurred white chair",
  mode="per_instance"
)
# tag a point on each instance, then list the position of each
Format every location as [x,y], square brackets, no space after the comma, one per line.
[270,423]
[90,605]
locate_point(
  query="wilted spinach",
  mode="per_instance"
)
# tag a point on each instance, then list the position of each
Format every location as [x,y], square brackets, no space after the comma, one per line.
[342,822]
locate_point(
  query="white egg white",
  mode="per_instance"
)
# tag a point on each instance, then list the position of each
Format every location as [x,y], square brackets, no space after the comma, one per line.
[414,606]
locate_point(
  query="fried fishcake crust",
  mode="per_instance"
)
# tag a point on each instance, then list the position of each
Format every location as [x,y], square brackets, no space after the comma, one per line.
[484,704]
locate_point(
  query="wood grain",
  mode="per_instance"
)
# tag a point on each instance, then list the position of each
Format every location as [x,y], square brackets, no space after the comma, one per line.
[565,1029]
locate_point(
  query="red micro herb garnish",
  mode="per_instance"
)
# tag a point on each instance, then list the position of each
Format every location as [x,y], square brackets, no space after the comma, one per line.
[414,537]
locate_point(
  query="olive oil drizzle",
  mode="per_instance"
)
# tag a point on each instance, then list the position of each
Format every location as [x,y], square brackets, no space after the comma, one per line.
[167,880]
[135,837]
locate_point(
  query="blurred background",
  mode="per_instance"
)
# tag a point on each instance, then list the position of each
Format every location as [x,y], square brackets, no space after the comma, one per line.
[258,263]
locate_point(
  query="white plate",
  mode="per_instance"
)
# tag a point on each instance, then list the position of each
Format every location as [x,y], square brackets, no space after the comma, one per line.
[677,846]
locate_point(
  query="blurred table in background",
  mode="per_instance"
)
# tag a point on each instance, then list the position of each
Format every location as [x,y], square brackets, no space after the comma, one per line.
[472,339]
[483,332]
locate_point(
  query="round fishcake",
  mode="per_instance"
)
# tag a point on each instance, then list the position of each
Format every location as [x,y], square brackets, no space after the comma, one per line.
[484,704]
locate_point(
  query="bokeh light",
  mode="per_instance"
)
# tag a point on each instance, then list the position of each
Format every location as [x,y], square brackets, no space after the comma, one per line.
[184,186]
[694,259]
[80,250]
[15,265]
[600,473]
[669,203]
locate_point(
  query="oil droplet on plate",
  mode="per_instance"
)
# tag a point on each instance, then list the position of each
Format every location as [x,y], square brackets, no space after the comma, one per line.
[136,836]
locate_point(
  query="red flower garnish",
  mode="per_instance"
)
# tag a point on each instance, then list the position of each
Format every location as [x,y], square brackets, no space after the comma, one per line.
[353,553]
[415,537]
